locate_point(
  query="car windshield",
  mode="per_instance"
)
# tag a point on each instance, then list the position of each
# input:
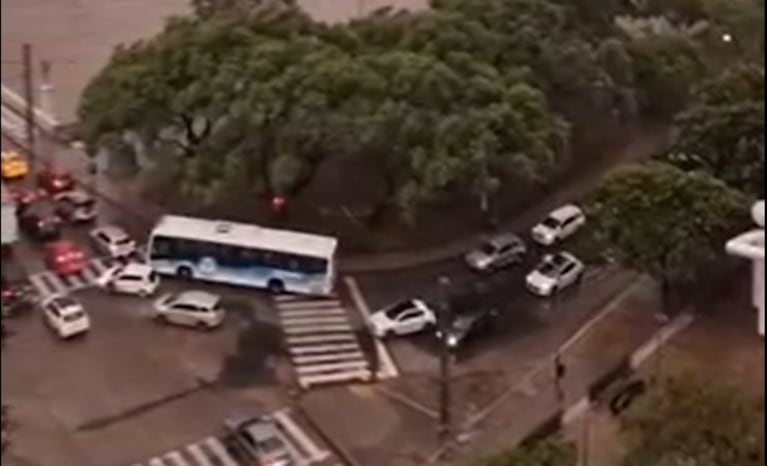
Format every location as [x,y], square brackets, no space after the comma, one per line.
[550,222]
[83,202]
[121,240]
[487,249]
[394,311]
[551,265]
[74,316]
[271,445]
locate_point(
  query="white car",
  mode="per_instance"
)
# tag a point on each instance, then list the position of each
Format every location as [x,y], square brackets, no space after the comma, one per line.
[112,241]
[554,272]
[192,308]
[65,316]
[402,318]
[131,278]
[558,225]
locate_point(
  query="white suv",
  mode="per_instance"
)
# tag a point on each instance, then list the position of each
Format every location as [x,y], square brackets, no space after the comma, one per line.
[131,278]
[560,224]
[191,308]
[65,316]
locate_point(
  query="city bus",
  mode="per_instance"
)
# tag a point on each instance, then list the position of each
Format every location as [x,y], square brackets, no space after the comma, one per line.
[243,254]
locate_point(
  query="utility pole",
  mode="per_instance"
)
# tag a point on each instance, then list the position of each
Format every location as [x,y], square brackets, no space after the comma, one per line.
[29,96]
[445,319]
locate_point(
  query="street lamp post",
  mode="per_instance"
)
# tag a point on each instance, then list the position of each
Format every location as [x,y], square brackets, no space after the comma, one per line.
[445,318]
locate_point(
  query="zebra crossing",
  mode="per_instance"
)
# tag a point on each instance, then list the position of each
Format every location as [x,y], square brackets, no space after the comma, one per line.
[321,341]
[48,283]
[213,451]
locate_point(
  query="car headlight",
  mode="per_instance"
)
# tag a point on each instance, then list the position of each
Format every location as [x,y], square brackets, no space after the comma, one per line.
[452,341]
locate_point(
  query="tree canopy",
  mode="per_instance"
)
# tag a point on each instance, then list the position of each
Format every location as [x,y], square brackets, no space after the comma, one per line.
[722,131]
[689,420]
[665,222]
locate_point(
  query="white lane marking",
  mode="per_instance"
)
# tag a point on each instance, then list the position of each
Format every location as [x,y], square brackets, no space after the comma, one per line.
[311,312]
[353,355]
[387,367]
[196,451]
[99,266]
[74,281]
[661,337]
[156,462]
[299,350]
[56,283]
[301,321]
[302,305]
[313,450]
[19,103]
[333,337]
[39,284]
[175,458]
[318,329]
[332,367]
[218,449]
[308,380]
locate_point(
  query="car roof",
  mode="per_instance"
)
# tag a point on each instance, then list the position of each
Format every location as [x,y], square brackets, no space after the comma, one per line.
[137,268]
[197,297]
[503,239]
[261,428]
[562,258]
[566,211]
[112,231]
[64,302]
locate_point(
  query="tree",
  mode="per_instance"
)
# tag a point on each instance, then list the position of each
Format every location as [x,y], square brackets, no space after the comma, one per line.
[695,421]
[722,131]
[547,453]
[665,222]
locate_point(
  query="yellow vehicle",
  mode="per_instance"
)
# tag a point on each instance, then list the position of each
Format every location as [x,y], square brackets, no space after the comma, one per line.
[13,165]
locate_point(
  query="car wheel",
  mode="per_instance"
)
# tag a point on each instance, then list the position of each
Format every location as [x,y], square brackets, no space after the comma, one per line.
[275,286]
[184,272]
[160,318]
[201,325]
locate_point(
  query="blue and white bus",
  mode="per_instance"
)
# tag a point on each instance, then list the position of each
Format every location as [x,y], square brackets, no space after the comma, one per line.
[242,254]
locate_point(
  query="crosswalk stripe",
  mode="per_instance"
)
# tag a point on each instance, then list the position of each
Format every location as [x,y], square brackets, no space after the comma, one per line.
[317,349]
[337,337]
[300,321]
[307,444]
[309,305]
[309,380]
[99,265]
[218,449]
[312,312]
[195,450]
[318,329]
[74,281]
[57,286]
[176,459]
[89,274]
[303,360]
[332,367]
[39,284]
[156,462]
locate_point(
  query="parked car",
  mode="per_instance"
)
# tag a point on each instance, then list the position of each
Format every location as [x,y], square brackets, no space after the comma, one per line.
[496,252]
[66,316]
[40,221]
[64,258]
[558,225]
[112,241]
[13,164]
[75,206]
[191,308]
[468,324]
[402,318]
[131,278]
[553,273]
[262,439]
[55,180]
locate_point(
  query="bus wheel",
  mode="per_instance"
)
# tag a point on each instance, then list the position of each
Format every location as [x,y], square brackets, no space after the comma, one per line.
[275,286]
[184,272]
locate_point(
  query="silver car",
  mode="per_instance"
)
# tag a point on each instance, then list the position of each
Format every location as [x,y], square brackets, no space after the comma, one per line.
[496,252]
[191,308]
[112,241]
[262,439]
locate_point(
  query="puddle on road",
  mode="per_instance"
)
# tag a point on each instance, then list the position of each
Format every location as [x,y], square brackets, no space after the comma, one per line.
[257,352]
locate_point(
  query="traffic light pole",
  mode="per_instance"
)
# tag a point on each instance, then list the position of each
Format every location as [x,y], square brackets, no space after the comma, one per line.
[444,322]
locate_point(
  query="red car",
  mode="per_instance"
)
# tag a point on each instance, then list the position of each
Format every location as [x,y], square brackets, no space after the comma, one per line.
[64,257]
[55,181]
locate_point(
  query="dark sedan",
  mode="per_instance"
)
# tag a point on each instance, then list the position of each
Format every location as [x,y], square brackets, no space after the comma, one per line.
[467,325]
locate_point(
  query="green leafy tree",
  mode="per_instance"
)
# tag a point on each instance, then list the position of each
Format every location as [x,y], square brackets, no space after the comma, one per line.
[722,131]
[665,222]
[547,453]
[695,421]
